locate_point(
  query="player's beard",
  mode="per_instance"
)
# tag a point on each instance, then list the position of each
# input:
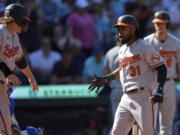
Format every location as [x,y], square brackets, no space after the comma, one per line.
[125,40]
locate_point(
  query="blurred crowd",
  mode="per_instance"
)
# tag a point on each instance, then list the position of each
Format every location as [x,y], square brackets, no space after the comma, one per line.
[67,39]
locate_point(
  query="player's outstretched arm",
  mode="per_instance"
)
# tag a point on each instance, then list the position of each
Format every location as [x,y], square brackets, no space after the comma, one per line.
[98,82]
[30,76]
[22,65]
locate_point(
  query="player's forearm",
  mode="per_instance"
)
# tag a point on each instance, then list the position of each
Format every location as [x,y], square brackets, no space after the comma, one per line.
[113,75]
[28,73]
[23,66]
[116,74]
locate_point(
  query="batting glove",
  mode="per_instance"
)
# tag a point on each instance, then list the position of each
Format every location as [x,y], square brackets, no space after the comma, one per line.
[157,96]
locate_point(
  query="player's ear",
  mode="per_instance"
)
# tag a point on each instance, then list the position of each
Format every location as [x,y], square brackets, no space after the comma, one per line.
[133,30]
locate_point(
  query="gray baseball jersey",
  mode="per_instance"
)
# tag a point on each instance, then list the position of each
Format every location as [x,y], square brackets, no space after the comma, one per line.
[169,50]
[10,51]
[10,48]
[112,62]
[136,62]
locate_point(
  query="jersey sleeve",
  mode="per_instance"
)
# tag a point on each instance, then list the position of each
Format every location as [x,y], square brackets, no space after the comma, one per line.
[151,56]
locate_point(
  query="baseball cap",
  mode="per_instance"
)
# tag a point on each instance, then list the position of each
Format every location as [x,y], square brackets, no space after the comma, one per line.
[127,20]
[81,3]
[161,17]
[31,130]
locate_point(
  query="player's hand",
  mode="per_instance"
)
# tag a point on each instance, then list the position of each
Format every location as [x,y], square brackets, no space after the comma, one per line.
[15,130]
[13,80]
[157,96]
[34,84]
[98,82]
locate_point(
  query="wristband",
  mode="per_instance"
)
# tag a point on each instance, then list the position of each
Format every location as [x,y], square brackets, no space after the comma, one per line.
[21,63]
[5,69]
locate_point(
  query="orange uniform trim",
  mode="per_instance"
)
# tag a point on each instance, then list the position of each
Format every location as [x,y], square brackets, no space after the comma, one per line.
[153,114]
[124,24]
[156,65]
[27,18]
[167,53]
[160,21]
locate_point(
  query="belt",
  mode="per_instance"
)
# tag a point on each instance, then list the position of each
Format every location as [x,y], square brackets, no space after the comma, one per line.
[168,79]
[134,90]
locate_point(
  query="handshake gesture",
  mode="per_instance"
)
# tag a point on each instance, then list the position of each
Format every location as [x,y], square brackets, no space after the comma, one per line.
[98,82]
[157,96]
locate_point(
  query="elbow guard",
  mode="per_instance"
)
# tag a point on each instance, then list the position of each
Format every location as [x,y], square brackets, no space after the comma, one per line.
[5,69]
[21,63]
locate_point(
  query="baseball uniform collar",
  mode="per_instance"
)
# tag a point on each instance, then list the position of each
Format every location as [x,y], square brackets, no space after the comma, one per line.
[160,40]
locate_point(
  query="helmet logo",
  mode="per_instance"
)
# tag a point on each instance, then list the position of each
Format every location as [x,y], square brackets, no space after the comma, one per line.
[27,18]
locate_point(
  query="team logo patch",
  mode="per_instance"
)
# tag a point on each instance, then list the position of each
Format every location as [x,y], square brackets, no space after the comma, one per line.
[155,58]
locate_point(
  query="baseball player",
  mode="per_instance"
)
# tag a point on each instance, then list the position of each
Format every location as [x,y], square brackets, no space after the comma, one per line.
[169,48]
[30,130]
[15,21]
[142,86]
[111,63]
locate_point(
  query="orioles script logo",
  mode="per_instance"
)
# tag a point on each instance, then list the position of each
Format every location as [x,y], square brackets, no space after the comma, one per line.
[129,60]
[8,52]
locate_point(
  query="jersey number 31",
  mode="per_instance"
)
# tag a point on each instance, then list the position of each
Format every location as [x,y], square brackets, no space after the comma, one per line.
[135,70]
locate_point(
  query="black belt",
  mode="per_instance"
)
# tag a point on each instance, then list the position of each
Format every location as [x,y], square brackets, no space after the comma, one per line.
[168,79]
[134,90]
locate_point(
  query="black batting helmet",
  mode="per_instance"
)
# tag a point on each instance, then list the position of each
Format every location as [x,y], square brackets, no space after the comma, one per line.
[19,13]
[161,17]
[130,21]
